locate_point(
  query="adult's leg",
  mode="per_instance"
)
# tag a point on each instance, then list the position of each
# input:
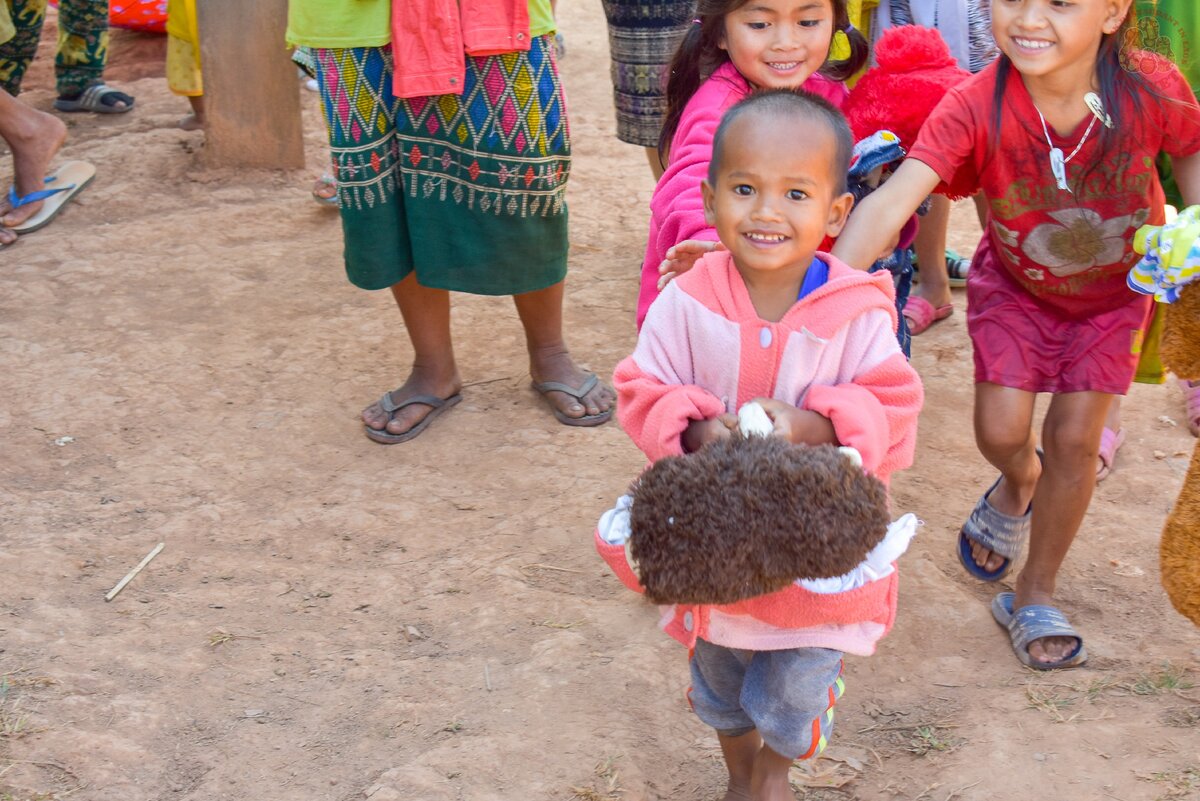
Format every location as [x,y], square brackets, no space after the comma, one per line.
[1071,440]
[33,137]
[1004,435]
[83,50]
[541,315]
[426,314]
[18,52]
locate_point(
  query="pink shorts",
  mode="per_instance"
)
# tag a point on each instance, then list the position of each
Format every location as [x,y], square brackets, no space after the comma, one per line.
[1022,344]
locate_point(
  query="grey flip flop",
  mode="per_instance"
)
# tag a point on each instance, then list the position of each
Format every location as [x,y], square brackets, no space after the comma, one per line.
[437,406]
[578,394]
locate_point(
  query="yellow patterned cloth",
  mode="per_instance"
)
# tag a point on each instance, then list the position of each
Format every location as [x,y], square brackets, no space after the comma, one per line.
[7,31]
[183,49]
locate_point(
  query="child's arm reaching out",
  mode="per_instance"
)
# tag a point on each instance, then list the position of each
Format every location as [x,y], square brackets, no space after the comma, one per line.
[877,221]
[1186,170]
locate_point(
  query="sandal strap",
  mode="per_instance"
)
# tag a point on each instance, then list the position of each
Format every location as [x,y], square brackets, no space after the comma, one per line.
[1037,621]
[16,201]
[996,531]
[391,407]
[94,95]
[577,393]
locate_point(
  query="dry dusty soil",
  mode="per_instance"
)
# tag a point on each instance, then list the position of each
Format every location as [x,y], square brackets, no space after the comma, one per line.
[183,362]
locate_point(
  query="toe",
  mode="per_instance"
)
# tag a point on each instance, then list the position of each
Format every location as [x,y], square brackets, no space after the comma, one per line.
[1049,650]
[15,217]
[375,417]
[405,419]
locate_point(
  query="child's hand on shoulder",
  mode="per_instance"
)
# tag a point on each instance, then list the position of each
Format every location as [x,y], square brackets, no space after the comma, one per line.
[798,426]
[682,257]
[701,432]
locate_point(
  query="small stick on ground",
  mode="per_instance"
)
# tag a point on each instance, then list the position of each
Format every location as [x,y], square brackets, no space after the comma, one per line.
[487,679]
[540,566]
[129,576]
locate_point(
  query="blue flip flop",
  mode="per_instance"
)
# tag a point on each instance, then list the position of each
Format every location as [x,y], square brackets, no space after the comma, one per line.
[1034,622]
[60,186]
[996,531]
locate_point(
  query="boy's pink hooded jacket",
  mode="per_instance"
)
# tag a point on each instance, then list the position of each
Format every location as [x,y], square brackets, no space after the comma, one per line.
[703,350]
[676,209]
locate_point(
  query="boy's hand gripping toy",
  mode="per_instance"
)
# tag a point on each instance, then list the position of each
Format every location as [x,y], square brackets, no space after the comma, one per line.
[751,514]
[1168,271]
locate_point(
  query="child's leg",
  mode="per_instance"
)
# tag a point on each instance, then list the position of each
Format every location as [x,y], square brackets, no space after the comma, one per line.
[740,753]
[770,779]
[195,120]
[930,246]
[1004,434]
[1111,439]
[1071,440]
[715,695]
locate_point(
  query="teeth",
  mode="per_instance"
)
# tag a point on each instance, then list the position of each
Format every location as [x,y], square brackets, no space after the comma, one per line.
[782,65]
[1032,44]
[766,237]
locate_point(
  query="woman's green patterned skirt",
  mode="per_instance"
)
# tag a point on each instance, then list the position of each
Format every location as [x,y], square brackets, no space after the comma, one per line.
[467,190]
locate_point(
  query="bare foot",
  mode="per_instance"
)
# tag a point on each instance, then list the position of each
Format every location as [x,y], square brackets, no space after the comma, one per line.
[404,419]
[1046,650]
[7,236]
[935,300]
[191,123]
[737,792]
[33,145]
[557,365]
[325,188]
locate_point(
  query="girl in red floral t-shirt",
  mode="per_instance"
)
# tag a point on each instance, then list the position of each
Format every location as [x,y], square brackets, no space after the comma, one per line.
[1060,134]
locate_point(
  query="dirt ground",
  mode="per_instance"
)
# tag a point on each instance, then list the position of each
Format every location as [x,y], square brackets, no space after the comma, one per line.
[184,363]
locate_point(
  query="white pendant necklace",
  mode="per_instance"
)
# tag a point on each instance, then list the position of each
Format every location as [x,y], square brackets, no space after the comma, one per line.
[1058,164]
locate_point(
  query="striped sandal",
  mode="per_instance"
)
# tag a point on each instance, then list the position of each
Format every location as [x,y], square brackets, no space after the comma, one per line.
[1036,622]
[996,531]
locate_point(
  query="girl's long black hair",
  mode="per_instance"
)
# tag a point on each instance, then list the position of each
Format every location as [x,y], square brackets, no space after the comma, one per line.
[699,55]
[1117,79]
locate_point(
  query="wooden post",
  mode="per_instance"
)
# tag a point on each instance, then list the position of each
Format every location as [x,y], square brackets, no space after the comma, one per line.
[251,93]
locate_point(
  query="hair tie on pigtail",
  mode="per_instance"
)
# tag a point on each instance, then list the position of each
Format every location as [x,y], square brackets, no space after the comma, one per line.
[839,46]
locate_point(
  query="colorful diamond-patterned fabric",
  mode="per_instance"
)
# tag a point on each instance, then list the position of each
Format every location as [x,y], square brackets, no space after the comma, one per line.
[468,190]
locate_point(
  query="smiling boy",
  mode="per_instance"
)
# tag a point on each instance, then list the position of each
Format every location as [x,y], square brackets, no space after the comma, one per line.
[775,320]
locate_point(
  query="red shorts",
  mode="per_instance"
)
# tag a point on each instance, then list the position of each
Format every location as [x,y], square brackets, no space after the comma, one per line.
[1020,343]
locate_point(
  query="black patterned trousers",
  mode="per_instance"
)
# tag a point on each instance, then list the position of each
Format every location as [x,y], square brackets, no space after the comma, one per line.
[82,44]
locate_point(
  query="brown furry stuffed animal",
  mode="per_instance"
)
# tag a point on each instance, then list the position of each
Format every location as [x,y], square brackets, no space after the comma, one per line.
[748,516]
[1179,552]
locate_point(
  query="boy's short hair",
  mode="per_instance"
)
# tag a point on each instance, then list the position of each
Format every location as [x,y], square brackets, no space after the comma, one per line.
[790,103]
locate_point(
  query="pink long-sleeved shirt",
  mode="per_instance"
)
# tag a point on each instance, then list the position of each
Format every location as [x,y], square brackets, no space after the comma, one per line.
[703,350]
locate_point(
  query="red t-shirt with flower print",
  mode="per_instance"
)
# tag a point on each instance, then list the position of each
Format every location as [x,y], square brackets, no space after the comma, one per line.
[1070,250]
